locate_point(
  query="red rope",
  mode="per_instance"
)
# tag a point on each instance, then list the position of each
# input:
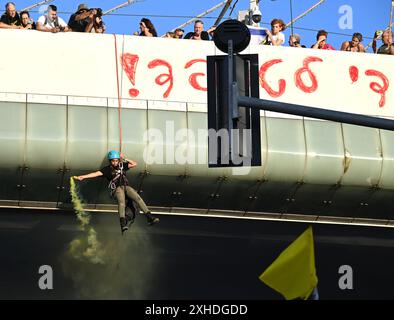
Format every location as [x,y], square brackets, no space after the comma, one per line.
[119,99]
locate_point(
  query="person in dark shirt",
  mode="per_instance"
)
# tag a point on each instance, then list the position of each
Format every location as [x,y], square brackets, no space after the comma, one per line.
[199,33]
[10,19]
[355,45]
[80,19]
[147,29]
[115,173]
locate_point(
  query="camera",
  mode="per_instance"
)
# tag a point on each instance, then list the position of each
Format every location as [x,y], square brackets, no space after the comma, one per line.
[256,15]
[58,26]
[97,17]
[99,12]
[379,33]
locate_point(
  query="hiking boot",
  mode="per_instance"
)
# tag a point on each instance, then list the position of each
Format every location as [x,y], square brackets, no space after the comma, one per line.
[123,225]
[129,220]
[151,219]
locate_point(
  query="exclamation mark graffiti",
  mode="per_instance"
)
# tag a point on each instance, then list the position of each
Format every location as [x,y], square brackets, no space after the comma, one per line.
[353,72]
[129,65]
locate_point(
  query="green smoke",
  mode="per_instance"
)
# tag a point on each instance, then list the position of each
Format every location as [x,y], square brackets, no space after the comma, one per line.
[87,246]
[82,216]
[118,267]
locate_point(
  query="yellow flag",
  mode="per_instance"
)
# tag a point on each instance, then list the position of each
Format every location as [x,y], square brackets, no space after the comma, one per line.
[293,273]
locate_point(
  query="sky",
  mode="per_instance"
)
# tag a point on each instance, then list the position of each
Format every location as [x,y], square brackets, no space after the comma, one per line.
[341,18]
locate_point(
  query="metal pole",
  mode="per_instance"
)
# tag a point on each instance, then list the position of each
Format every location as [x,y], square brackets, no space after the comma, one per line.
[231,102]
[317,113]
[291,17]
[223,12]
[200,15]
[304,13]
[391,17]
[36,5]
[125,4]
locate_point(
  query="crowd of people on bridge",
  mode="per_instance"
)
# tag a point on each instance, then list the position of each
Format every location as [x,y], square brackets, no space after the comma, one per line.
[87,19]
[83,20]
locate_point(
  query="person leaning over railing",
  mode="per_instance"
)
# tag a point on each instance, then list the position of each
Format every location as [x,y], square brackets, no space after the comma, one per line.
[96,23]
[387,39]
[178,33]
[51,22]
[80,19]
[199,33]
[295,41]
[169,34]
[27,23]
[275,37]
[321,42]
[355,45]
[10,19]
[147,29]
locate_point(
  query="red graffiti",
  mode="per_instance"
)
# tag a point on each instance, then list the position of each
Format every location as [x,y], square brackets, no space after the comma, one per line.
[304,78]
[193,77]
[298,79]
[164,77]
[353,72]
[282,83]
[129,64]
[378,88]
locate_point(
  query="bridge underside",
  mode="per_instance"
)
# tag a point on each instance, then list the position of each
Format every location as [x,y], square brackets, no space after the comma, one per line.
[182,257]
[313,169]
[214,197]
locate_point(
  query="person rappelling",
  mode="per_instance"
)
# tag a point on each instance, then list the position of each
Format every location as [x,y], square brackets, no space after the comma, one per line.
[120,189]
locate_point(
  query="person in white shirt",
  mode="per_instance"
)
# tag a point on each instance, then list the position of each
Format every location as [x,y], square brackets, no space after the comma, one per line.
[276,37]
[51,22]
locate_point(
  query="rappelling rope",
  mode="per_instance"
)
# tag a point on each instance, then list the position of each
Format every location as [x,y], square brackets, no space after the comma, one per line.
[291,17]
[119,96]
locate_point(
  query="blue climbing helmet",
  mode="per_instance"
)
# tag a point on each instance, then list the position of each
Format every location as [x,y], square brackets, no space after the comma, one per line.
[113,155]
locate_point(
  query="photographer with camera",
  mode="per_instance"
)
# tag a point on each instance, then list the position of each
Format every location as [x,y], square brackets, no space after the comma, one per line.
[51,22]
[295,41]
[95,22]
[85,20]
[387,39]
[80,19]
[275,37]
